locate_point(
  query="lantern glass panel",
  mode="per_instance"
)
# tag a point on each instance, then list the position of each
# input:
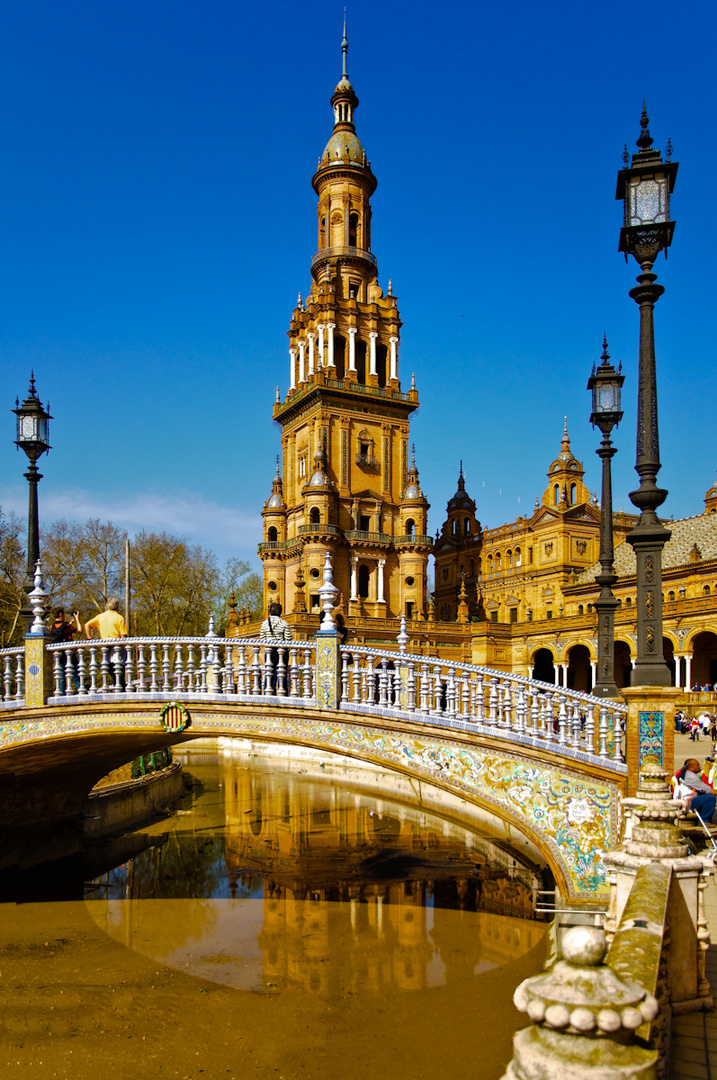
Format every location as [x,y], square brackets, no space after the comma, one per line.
[648,200]
[607,398]
[28,428]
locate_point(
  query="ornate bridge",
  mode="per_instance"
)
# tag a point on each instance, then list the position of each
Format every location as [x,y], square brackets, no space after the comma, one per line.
[546,759]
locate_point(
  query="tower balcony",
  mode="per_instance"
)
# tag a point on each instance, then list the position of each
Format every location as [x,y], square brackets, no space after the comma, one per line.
[353,255]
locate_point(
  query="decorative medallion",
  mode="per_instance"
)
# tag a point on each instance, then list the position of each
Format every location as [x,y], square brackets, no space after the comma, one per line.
[174,717]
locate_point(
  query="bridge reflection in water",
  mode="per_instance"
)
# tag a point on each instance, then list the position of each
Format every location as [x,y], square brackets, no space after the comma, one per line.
[320,886]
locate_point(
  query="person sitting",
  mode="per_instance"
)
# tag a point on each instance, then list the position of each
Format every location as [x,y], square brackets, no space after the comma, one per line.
[704,800]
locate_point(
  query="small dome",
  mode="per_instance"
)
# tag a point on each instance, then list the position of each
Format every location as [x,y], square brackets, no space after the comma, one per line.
[319,477]
[344,146]
[274,501]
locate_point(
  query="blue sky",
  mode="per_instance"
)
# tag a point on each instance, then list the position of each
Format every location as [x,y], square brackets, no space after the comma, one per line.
[157,222]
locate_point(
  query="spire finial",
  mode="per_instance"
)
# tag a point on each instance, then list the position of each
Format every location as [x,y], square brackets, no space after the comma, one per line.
[277,466]
[625,156]
[645,139]
[566,437]
[278,395]
[668,149]
[344,50]
[460,469]
[413,455]
[605,354]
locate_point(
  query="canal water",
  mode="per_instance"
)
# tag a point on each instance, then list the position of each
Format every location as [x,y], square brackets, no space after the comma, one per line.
[291,919]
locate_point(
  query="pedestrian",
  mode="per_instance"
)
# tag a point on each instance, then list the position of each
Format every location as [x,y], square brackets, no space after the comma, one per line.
[110,624]
[703,801]
[694,729]
[60,633]
[274,628]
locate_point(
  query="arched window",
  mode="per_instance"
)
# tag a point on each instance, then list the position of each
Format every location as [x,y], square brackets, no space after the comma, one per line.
[480,567]
[322,231]
[467,526]
[628,601]
[706,590]
[580,609]
[490,564]
[573,494]
[497,561]
[509,557]
[454,526]
[556,494]
[381,363]
[518,557]
[363,578]
[315,515]
[670,596]
[473,568]
[410,527]
[272,535]
[353,229]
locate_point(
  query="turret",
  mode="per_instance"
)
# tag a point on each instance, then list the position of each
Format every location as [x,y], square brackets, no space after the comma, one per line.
[565,475]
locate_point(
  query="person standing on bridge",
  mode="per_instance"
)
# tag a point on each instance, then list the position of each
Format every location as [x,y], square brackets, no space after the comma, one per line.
[274,628]
[109,623]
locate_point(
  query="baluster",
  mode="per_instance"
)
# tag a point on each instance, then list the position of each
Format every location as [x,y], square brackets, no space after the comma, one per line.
[153,668]
[141,669]
[281,672]
[424,706]
[382,681]
[58,672]
[93,670]
[411,687]
[344,677]
[534,714]
[178,669]
[229,687]
[617,721]
[577,724]
[20,676]
[437,691]
[294,676]
[216,662]
[364,681]
[268,669]
[256,671]
[521,709]
[355,676]
[590,729]
[105,669]
[166,668]
[81,670]
[129,670]
[241,671]
[308,672]
[370,680]
[505,717]
[451,694]
[493,702]
[117,668]
[396,702]
[7,679]
[189,672]
[464,690]
[602,749]
[562,720]
[549,721]
[479,711]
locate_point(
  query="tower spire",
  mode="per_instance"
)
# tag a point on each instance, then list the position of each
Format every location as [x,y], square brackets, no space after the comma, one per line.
[344,50]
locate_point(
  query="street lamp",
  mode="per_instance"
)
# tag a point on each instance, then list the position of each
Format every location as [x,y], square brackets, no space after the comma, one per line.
[645,188]
[606,384]
[32,436]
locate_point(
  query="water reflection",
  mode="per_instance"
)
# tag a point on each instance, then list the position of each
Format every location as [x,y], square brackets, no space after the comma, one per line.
[276,877]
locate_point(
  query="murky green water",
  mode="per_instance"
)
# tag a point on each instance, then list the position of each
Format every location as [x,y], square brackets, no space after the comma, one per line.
[288,921]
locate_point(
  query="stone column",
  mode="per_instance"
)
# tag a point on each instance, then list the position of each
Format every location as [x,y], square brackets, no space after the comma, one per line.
[372,353]
[353,331]
[292,369]
[593,668]
[650,730]
[354,577]
[311,336]
[688,671]
[320,328]
[302,369]
[380,597]
[564,670]
[330,327]
[394,358]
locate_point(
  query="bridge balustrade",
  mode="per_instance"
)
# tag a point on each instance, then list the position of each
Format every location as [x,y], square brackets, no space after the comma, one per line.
[181,667]
[13,676]
[473,698]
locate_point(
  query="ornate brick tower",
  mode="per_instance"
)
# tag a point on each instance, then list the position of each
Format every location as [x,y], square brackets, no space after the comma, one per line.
[347,487]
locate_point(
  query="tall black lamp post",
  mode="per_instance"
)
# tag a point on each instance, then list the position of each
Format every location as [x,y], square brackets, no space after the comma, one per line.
[32,436]
[645,188]
[606,384]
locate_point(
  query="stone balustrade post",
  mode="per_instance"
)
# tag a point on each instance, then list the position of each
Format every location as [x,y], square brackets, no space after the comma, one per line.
[38,663]
[584,1017]
[328,651]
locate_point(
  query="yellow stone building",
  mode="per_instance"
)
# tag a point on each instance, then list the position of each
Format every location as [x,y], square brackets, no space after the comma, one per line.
[350,485]
[517,597]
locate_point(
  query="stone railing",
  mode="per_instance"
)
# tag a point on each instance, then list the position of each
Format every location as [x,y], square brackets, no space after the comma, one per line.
[605,1010]
[477,699]
[181,668]
[13,677]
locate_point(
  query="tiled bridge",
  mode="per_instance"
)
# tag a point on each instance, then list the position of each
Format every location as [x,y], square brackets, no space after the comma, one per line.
[545,759]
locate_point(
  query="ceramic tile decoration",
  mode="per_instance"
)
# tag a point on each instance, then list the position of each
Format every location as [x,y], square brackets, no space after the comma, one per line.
[651,738]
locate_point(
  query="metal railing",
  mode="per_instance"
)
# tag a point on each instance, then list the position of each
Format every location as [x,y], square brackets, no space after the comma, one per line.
[481,700]
[229,668]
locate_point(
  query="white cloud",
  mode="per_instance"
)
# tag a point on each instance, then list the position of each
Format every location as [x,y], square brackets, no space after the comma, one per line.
[230,531]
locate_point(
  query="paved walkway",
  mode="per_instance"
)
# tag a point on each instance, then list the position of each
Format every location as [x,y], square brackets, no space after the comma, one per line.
[693,1054]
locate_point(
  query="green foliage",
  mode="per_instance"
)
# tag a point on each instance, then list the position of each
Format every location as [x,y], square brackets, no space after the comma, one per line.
[12,575]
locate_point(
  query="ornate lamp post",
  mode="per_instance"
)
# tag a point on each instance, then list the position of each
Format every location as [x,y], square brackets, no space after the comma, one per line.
[32,436]
[606,384]
[645,189]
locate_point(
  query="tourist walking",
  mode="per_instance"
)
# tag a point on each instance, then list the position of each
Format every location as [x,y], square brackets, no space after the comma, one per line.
[274,628]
